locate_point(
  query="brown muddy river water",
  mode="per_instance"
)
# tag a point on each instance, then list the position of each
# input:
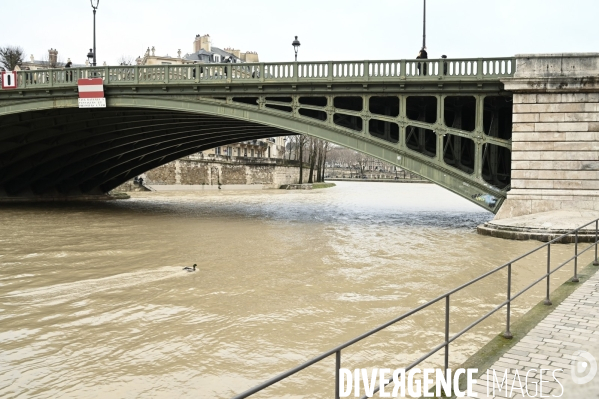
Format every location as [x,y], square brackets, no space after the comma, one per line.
[94,304]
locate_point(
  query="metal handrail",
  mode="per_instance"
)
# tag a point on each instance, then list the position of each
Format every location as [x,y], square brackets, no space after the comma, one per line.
[445,344]
[462,69]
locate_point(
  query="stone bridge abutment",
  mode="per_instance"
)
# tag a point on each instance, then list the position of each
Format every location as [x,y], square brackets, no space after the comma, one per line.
[555,139]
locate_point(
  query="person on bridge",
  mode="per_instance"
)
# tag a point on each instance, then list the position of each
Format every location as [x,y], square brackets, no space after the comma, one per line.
[422,55]
[227,61]
[69,74]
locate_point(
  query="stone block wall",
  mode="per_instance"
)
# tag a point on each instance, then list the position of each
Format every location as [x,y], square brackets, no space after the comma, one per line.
[191,172]
[202,172]
[233,174]
[555,139]
[164,174]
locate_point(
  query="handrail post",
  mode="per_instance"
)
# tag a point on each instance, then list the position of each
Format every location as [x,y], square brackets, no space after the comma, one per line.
[337,367]
[596,262]
[547,300]
[508,334]
[575,278]
[446,333]
[295,71]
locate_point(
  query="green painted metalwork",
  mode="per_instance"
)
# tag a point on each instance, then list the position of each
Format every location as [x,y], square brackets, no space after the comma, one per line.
[441,70]
[380,108]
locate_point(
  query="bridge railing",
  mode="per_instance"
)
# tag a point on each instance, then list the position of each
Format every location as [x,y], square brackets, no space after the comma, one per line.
[569,237]
[330,71]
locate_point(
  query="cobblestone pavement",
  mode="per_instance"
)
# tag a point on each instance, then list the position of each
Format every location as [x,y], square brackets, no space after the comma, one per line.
[553,346]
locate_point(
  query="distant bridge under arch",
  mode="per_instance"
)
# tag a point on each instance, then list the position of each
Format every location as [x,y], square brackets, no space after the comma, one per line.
[448,121]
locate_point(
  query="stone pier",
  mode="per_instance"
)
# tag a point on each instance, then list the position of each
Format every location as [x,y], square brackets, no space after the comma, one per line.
[555,147]
[555,140]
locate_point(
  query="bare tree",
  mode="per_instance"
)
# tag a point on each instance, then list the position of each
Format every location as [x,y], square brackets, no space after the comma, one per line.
[292,148]
[312,150]
[126,60]
[11,56]
[326,147]
[302,139]
[284,148]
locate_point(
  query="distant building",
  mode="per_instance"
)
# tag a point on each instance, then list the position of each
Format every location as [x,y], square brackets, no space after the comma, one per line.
[51,62]
[205,53]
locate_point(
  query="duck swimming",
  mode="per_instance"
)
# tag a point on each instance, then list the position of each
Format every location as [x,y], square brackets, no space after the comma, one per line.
[189,269]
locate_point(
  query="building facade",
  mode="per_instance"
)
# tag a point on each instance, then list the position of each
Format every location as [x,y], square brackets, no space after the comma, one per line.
[51,61]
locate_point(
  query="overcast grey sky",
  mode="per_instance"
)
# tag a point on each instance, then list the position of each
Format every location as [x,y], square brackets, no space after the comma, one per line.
[327,29]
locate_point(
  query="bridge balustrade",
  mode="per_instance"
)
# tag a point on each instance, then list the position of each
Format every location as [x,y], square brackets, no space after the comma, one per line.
[330,71]
[384,69]
[317,70]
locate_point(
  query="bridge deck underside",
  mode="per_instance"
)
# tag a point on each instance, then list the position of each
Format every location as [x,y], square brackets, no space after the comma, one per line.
[74,151]
[460,141]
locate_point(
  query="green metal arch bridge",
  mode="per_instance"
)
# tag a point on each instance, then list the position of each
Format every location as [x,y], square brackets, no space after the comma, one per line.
[448,120]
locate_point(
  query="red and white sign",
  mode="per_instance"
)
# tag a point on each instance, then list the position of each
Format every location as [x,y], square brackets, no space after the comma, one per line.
[91,93]
[9,80]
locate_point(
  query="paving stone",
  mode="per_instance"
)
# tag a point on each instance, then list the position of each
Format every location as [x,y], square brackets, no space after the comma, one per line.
[511,355]
[551,345]
[537,356]
[519,352]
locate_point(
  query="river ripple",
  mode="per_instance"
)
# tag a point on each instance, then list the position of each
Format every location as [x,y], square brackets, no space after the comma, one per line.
[94,304]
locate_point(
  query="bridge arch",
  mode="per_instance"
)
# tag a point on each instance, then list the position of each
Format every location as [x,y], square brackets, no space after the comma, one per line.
[93,151]
[447,124]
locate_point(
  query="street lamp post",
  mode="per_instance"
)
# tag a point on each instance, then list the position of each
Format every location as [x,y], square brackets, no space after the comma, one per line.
[424,26]
[295,45]
[90,57]
[95,7]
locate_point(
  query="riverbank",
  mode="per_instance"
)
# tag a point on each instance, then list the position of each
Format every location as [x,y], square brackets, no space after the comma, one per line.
[218,173]
[545,337]
[380,180]
[544,226]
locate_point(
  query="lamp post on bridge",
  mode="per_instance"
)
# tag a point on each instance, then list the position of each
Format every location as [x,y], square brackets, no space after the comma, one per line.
[295,45]
[95,7]
[424,26]
[90,57]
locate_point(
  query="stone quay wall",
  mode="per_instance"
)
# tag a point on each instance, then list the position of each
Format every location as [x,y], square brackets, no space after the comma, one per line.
[555,139]
[215,172]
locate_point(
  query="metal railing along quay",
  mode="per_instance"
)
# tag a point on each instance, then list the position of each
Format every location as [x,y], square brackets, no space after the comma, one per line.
[567,237]
[462,69]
